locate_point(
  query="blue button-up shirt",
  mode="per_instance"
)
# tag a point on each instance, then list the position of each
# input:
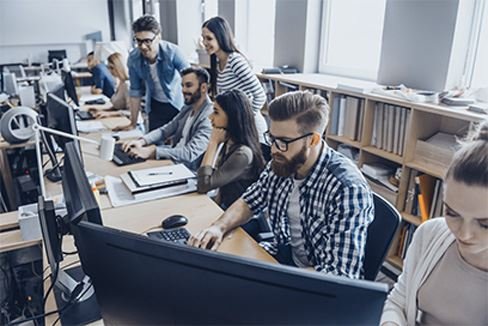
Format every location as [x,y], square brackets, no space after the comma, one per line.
[336,207]
[170,61]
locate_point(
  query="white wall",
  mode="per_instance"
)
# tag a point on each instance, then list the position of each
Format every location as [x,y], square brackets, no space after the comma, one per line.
[261,32]
[28,28]
[189,18]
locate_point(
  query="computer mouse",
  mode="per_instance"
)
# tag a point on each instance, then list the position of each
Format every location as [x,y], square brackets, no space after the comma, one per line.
[174,221]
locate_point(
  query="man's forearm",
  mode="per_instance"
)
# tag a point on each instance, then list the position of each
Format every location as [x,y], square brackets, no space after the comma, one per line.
[134,106]
[236,215]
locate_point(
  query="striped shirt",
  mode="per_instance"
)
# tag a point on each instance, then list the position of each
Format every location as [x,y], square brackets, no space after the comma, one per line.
[237,74]
[336,207]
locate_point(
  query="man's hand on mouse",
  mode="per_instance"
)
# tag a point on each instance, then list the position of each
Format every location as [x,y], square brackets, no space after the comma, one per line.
[209,238]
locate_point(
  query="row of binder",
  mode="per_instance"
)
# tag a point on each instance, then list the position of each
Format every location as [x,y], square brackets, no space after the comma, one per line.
[390,127]
[347,117]
[424,196]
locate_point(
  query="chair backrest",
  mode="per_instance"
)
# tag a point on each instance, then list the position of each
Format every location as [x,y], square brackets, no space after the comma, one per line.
[266,152]
[380,235]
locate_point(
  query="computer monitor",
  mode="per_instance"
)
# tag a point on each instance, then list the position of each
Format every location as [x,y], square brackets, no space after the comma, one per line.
[60,116]
[143,281]
[72,288]
[78,195]
[69,85]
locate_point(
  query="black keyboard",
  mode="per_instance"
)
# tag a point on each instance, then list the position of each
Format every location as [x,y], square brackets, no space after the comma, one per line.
[179,235]
[123,158]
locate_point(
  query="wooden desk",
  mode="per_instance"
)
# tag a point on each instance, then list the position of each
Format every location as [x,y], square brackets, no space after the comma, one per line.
[138,218]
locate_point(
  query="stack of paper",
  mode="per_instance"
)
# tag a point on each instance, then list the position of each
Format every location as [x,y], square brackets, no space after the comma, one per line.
[89,126]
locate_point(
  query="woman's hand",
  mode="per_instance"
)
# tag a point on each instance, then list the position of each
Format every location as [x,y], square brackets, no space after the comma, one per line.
[219,135]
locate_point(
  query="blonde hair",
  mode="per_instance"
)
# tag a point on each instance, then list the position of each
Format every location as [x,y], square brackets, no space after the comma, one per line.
[470,163]
[116,60]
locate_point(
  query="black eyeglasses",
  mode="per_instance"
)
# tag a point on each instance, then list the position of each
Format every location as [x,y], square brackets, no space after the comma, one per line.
[281,144]
[146,41]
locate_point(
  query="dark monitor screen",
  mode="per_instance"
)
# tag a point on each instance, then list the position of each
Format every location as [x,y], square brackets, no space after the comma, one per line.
[142,281]
[69,84]
[80,200]
[60,116]
[50,232]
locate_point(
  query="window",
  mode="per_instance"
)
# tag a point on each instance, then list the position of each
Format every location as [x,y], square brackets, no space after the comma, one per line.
[477,62]
[351,37]
[255,31]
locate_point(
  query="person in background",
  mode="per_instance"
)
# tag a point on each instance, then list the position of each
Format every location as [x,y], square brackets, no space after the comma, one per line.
[318,202]
[188,133]
[445,273]
[120,99]
[103,81]
[229,69]
[154,65]
[240,160]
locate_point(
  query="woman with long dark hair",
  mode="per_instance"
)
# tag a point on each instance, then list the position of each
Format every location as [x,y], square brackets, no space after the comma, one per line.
[229,69]
[240,161]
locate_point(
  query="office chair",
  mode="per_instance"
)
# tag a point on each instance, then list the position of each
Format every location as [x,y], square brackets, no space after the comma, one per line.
[380,235]
[266,152]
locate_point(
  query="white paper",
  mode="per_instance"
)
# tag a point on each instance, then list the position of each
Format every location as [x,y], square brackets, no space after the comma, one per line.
[152,176]
[134,133]
[120,195]
[89,126]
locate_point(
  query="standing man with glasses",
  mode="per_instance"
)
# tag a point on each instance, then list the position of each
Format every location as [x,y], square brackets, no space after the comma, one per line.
[318,202]
[155,65]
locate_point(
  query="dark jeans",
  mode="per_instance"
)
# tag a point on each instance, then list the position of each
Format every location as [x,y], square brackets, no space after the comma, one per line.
[161,114]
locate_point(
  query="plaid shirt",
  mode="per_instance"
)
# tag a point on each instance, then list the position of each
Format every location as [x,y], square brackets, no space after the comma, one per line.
[336,207]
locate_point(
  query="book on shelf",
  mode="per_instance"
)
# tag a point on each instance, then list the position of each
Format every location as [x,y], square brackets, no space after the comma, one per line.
[380,173]
[391,126]
[405,238]
[334,125]
[342,106]
[424,196]
[396,135]
[359,129]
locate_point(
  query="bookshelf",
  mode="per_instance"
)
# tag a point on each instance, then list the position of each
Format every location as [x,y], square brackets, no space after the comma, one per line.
[389,132]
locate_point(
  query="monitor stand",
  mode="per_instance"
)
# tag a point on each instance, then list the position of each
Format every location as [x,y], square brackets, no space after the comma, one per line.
[85,309]
[54,175]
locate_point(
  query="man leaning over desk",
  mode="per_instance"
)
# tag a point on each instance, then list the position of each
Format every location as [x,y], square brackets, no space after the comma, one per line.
[188,133]
[318,202]
[155,65]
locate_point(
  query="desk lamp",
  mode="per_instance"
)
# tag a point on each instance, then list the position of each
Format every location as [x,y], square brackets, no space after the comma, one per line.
[20,124]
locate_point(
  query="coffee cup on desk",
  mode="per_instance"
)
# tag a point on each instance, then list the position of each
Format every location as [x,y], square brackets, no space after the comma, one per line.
[107,146]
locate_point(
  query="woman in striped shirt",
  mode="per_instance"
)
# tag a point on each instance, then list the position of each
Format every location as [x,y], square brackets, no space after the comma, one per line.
[230,70]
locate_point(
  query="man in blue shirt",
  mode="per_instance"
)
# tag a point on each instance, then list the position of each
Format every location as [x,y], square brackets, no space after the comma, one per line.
[154,65]
[103,81]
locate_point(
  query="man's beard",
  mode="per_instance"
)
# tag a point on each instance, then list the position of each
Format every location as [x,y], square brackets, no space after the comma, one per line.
[194,97]
[288,167]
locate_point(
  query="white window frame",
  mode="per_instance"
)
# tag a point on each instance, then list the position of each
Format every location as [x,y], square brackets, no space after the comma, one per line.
[324,42]
[480,10]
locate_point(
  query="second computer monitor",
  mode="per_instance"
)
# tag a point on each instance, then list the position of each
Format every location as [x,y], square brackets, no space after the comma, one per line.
[61,116]
[142,281]
[69,84]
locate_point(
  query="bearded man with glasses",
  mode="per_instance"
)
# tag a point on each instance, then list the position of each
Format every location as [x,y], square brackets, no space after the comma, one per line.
[154,66]
[318,203]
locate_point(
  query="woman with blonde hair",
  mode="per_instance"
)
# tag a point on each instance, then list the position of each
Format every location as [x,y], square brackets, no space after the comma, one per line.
[120,99]
[445,273]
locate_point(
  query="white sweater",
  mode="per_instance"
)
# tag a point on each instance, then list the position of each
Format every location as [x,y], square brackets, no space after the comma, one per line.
[429,244]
